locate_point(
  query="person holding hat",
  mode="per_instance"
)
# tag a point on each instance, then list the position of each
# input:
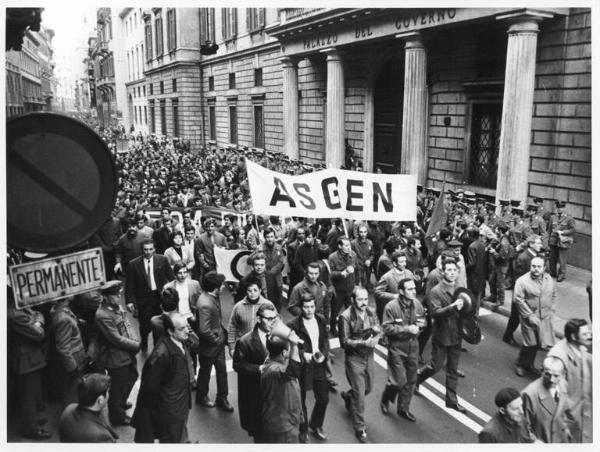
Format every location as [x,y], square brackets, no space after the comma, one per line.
[83,422]
[213,338]
[509,424]
[117,347]
[562,227]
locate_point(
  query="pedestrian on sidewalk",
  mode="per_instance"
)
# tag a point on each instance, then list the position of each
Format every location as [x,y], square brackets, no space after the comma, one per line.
[535,295]
[562,227]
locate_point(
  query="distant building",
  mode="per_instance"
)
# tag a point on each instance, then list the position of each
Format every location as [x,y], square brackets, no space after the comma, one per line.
[171,53]
[136,108]
[30,83]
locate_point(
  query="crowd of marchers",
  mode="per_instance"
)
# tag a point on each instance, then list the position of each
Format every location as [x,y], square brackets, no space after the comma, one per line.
[426,287]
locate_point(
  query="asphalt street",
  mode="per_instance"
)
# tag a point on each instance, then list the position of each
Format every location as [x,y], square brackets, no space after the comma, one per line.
[488,367]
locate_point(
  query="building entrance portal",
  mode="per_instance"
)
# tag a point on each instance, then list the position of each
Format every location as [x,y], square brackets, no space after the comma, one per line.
[389,90]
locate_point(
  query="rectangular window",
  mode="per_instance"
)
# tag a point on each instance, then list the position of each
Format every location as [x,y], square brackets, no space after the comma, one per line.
[162,87]
[212,119]
[485,144]
[148,41]
[151,87]
[171,30]
[152,118]
[232,80]
[207,25]
[255,19]
[135,113]
[259,127]
[258,77]
[175,103]
[144,90]
[229,23]
[233,124]
[158,26]
[145,115]
[174,85]
[163,117]
[211,83]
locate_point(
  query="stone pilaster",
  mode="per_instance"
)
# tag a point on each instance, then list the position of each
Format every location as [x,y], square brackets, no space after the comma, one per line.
[517,109]
[291,146]
[334,142]
[414,113]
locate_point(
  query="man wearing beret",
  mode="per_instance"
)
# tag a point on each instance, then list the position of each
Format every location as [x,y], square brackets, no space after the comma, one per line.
[508,424]
[83,422]
[562,227]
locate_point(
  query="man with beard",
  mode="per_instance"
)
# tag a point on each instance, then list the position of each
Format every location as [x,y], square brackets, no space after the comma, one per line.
[248,359]
[342,264]
[359,334]
[129,246]
[403,319]
[446,338]
[574,352]
[508,425]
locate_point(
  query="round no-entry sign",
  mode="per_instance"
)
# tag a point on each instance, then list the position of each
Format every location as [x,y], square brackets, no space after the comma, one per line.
[61,182]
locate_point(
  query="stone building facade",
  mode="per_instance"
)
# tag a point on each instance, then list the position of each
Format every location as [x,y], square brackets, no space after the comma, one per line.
[494,100]
[172,74]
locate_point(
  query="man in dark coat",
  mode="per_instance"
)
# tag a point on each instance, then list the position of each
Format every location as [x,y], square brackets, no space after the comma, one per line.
[343,264]
[476,265]
[248,359]
[162,235]
[274,263]
[83,422]
[166,388]
[146,277]
[508,425]
[69,346]
[26,339]
[213,338]
[312,329]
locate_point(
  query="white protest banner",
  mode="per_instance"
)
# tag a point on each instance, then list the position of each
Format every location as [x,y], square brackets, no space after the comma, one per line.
[333,193]
[232,263]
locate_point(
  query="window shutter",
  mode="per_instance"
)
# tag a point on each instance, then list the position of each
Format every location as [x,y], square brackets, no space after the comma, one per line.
[261,17]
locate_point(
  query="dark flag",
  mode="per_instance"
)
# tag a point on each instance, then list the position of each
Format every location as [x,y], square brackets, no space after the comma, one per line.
[437,221]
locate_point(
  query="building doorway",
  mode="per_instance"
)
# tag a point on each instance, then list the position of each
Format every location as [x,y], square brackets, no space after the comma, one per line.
[389,95]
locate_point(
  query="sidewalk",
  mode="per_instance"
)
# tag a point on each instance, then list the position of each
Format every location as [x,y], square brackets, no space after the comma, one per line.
[572,299]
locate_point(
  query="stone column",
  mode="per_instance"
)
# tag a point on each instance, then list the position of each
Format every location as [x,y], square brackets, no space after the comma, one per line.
[414,113]
[517,109]
[334,141]
[291,145]
[369,118]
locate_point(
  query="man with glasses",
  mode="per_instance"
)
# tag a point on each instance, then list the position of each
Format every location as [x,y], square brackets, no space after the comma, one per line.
[248,359]
[546,404]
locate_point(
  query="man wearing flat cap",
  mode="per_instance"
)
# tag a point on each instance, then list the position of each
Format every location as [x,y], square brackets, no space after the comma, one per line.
[83,422]
[562,227]
[508,424]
